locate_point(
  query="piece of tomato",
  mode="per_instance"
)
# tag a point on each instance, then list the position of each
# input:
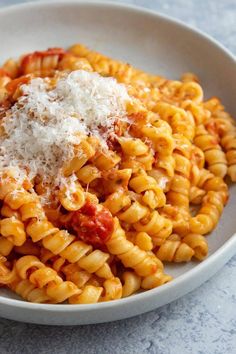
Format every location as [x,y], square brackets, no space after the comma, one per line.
[93,224]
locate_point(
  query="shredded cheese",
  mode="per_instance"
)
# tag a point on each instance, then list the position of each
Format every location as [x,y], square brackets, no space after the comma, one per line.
[43,126]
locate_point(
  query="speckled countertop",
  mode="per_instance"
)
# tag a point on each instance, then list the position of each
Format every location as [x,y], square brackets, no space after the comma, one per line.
[202,322]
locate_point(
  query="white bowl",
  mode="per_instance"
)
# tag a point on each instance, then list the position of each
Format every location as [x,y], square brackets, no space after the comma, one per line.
[155,43]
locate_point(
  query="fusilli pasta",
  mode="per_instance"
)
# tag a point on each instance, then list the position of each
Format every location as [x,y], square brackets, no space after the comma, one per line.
[106,171]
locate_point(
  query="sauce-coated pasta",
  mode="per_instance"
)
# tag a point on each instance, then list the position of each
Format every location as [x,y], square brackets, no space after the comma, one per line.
[106,172]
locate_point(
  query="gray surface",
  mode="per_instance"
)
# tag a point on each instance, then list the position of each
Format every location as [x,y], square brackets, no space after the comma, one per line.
[203,322]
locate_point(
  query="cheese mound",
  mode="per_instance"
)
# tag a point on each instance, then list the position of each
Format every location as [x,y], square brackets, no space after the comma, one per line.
[43,126]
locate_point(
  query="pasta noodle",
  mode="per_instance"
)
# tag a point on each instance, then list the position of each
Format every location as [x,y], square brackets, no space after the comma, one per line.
[106,172]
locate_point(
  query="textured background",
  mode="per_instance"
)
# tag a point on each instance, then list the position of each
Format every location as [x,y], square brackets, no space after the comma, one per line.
[202,322]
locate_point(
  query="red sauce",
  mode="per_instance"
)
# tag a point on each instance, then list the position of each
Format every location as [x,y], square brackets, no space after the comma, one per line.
[92,225]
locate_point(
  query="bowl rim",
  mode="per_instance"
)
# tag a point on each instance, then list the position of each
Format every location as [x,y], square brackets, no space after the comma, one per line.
[191,274]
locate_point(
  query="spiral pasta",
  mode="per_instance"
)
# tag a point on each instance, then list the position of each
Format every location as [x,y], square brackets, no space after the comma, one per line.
[29,292]
[221,125]
[6,246]
[44,62]
[139,216]
[209,213]
[180,121]
[62,243]
[45,277]
[130,255]
[176,249]
[154,280]
[106,171]
[153,195]
[23,288]
[132,283]
[55,240]
[214,155]
[178,195]
[35,282]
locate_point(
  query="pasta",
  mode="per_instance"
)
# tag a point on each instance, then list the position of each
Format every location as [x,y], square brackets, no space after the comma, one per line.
[106,172]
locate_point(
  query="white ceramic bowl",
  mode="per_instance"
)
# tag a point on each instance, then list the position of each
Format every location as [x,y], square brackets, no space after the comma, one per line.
[157,44]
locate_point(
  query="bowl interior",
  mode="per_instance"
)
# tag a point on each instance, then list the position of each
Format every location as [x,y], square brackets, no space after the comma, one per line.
[150,42]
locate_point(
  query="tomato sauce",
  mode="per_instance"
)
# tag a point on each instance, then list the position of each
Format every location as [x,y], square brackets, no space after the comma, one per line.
[92,224]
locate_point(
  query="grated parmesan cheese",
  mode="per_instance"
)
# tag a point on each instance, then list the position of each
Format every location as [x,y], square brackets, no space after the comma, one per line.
[44,125]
